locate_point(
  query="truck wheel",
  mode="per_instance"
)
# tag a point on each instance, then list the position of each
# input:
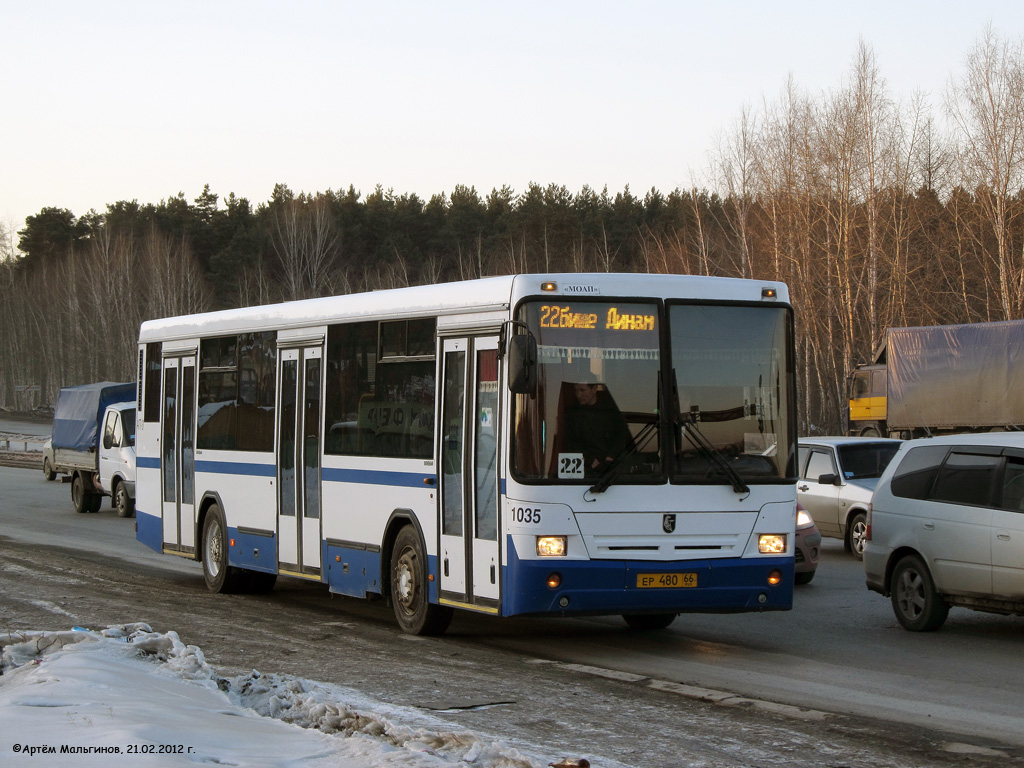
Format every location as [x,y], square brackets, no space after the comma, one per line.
[219,576]
[78,495]
[918,607]
[93,502]
[415,614]
[123,503]
[48,472]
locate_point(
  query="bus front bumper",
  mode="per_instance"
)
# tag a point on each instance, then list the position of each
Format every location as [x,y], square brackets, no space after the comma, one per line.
[611,587]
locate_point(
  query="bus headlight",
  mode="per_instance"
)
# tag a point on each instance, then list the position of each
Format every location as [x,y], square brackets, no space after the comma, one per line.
[771,543]
[551,546]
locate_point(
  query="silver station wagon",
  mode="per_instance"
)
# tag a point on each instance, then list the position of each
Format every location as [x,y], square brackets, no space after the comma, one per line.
[947,528]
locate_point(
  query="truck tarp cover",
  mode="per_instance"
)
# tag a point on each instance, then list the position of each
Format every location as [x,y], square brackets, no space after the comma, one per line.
[76,419]
[956,375]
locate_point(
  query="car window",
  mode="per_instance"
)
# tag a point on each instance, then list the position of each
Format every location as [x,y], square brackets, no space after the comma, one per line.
[820,463]
[862,460]
[1013,485]
[967,478]
[915,475]
[803,452]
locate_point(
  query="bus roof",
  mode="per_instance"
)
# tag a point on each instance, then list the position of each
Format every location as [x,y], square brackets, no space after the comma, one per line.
[481,295]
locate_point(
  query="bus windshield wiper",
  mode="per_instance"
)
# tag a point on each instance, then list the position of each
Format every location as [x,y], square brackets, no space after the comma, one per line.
[712,454]
[615,468]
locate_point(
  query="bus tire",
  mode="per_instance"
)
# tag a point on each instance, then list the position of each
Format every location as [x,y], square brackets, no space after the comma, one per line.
[409,598]
[647,621]
[219,576]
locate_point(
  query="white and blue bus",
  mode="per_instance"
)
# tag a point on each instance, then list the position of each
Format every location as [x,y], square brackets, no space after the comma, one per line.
[531,445]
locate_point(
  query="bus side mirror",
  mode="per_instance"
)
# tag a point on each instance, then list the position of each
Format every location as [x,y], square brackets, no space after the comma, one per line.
[522,364]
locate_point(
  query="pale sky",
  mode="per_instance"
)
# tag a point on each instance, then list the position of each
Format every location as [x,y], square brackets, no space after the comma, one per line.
[111,101]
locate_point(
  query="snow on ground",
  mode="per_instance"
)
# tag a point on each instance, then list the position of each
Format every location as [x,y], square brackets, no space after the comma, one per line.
[128,695]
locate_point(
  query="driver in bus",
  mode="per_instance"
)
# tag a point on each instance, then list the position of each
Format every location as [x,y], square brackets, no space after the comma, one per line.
[595,427]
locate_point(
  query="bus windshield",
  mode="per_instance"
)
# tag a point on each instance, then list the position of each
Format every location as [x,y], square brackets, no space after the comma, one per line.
[732,376]
[600,410]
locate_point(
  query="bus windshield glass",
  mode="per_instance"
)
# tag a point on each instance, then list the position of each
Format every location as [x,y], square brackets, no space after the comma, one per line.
[596,405]
[600,411]
[732,377]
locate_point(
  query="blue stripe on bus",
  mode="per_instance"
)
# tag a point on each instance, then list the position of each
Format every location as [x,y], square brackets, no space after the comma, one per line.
[361,476]
[378,477]
[237,468]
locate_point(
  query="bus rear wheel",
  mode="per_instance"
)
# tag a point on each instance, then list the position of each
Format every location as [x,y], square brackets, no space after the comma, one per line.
[415,614]
[649,620]
[219,576]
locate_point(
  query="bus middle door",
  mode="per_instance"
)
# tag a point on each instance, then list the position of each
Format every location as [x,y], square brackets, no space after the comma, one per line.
[469,562]
[300,385]
[177,454]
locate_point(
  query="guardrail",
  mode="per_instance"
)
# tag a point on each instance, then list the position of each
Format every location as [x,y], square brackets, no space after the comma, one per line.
[10,441]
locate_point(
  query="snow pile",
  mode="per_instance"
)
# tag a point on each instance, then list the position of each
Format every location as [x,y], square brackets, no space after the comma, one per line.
[127,694]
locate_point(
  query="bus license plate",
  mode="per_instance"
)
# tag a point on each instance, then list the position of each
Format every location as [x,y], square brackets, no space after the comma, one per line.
[656,580]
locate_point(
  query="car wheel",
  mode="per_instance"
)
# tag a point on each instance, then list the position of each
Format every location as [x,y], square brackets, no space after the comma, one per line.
[48,472]
[918,607]
[805,578]
[856,533]
[219,576]
[649,621]
[123,503]
[415,614]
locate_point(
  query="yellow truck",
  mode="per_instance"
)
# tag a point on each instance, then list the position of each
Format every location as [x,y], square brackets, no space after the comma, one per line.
[941,379]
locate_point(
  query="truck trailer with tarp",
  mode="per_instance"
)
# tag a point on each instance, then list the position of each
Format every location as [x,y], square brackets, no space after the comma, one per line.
[941,379]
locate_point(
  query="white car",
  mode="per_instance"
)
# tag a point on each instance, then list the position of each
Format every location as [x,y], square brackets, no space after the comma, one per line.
[837,477]
[947,528]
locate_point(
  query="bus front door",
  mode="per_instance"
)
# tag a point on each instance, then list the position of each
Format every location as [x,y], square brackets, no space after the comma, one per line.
[469,561]
[300,385]
[177,455]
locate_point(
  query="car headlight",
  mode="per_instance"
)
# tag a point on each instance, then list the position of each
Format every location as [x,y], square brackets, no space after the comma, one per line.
[771,543]
[802,518]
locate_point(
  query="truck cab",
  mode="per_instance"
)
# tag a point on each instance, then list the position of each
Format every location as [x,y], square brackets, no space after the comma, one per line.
[116,464]
[867,406]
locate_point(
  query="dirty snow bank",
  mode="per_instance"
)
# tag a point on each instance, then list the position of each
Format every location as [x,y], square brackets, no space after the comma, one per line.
[128,695]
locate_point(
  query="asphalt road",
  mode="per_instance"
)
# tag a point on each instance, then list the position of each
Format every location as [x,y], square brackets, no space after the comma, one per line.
[860,690]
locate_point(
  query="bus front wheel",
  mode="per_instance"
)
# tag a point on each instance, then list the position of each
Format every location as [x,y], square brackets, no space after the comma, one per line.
[415,614]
